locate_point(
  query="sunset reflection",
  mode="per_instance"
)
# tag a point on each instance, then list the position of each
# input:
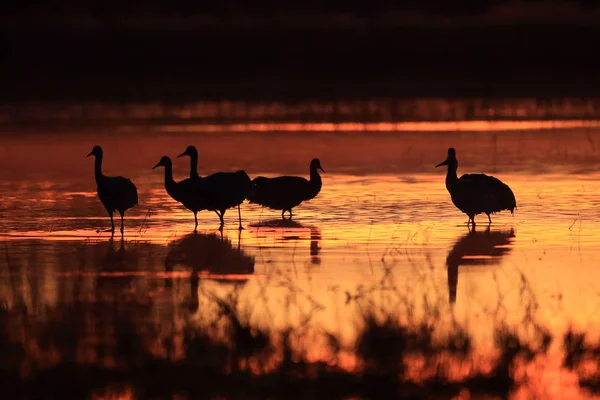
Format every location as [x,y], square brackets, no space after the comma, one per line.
[472,126]
[374,255]
[375,286]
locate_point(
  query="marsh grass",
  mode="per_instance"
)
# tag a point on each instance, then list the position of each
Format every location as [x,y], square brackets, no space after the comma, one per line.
[88,348]
[583,356]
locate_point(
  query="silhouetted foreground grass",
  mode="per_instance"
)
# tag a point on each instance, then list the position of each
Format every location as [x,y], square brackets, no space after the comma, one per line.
[248,362]
[105,333]
[583,357]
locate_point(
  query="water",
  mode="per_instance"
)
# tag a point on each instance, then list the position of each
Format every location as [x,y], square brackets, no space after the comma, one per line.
[382,233]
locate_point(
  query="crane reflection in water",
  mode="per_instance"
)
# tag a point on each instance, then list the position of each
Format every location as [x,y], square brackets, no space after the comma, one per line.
[476,249]
[209,255]
[288,230]
[116,259]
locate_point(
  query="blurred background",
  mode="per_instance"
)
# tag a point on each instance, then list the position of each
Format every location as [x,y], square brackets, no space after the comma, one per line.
[291,50]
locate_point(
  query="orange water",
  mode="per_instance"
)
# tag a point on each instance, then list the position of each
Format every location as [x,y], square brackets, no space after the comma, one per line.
[374,220]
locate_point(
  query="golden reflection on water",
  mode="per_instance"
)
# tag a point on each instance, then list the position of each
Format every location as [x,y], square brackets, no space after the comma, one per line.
[358,226]
[470,126]
[360,234]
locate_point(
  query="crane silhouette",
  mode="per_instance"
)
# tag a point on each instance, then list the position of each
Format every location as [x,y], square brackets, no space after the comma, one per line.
[286,192]
[476,193]
[115,192]
[221,190]
[188,192]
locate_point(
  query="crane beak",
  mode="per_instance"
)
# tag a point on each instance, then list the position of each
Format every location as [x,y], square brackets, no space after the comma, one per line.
[91,153]
[442,163]
[321,168]
[183,154]
[157,165]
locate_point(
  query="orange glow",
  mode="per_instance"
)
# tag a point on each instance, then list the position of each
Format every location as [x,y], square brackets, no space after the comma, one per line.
[383,239]
[470,126]
[343,245]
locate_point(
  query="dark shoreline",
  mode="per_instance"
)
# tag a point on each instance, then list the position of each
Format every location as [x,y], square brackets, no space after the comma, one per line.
[377,110]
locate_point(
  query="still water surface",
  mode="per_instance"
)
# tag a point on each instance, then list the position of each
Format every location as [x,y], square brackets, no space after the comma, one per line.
[383,216]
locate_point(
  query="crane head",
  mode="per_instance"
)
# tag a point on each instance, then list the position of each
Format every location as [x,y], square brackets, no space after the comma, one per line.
[190,151]
[164,162]
[451,157]
[96,151]
[316,164]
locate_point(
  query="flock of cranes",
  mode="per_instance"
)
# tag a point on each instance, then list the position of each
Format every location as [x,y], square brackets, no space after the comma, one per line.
[473,194]
[217,192]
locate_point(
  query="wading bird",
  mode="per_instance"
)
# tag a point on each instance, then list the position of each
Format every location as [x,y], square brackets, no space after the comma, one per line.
[221,190]
[286,192]
[187,192]
[193,154]
[476,193]
[115,192]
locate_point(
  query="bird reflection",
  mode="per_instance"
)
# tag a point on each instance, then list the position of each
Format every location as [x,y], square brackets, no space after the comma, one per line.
[209,253]
[476,248]
[116,262]
[315,237]
[280,226]
[277,223]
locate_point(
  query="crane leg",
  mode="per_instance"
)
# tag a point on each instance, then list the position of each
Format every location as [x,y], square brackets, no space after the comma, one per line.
[195,221]
[112,224]
[282,214]
[291,215]
[240,218]
[121,224]
[489,219]
[472,220]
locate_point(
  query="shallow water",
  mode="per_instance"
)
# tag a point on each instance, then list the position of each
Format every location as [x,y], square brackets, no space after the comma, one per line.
[376,223]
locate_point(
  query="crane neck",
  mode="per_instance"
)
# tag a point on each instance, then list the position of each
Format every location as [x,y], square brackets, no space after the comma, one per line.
[315,178]
[194,166]
[98,169]
[451,176]
[170,184]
